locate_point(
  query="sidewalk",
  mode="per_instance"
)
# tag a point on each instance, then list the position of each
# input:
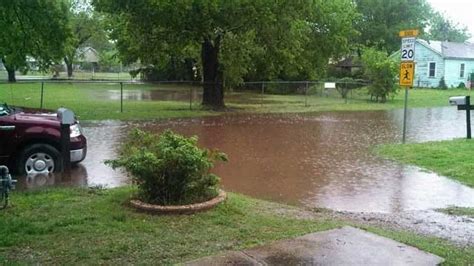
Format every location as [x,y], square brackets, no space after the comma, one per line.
[344,246]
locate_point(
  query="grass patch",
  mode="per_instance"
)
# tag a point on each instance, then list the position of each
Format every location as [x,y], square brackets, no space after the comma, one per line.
[451,158]
[80,226]
[94,101]
[452,255]
[94,226]
[458,211]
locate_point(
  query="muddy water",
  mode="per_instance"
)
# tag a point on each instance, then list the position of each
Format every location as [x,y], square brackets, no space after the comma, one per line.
[149,95]
[317,160]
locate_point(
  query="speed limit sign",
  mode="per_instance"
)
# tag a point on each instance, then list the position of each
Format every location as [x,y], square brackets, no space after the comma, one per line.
[408,49]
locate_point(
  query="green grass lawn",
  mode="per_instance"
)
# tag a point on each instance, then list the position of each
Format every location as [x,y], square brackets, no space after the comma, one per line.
[452,158]
[458,211]
[94,226]
[90,101]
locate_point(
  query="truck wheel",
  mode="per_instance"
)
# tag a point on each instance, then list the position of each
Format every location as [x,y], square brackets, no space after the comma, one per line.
[39,159]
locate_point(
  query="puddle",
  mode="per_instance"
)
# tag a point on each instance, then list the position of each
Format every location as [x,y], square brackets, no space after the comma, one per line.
[315,160]
[150,95]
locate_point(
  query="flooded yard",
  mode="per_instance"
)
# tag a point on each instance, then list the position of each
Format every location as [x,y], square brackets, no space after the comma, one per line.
[315,160]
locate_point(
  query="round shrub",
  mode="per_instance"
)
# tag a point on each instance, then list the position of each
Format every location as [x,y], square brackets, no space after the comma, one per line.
[169,169]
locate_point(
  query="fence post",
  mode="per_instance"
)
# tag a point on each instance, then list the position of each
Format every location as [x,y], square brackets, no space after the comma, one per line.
[306,95]
[121,97]
[263,92]
[42,95]
[191,98]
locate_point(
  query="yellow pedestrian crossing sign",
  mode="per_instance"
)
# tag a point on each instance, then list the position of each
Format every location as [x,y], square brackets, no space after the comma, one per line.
[407,74]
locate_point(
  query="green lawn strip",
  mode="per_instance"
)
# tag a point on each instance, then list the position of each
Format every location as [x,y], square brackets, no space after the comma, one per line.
[451,158]
[92,101]
[94,226]
[64,226]
[453,255]
[458,211]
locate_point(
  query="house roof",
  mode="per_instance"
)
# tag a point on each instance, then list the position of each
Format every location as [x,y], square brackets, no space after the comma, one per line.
[458,50]
[87,54]
[450,49]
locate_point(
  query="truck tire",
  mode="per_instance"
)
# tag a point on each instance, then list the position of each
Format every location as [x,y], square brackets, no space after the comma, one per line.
[39,159]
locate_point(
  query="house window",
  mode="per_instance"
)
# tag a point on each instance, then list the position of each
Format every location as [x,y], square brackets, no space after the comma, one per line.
[461,71]
[432,70]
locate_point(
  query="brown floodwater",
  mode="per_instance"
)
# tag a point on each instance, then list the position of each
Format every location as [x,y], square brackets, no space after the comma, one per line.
[315,160]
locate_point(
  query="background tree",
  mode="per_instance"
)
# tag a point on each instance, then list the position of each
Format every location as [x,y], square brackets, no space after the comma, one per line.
[443,29]
[382,72]
[381,21]
[35,28]
[86,27]
[232,39]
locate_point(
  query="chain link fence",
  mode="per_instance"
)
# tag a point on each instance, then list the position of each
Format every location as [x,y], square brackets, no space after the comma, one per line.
[129,96]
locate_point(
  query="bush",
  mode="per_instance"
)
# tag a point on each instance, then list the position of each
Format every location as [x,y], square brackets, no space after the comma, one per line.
[461,85]
[169,169]
[442,84]
[382,71]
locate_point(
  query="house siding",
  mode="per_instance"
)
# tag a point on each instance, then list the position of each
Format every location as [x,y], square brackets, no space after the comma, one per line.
[452,71]
[423,56]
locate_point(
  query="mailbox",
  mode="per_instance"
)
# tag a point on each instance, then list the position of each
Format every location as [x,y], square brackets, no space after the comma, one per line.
[457,100]
[66,116]
[464,103]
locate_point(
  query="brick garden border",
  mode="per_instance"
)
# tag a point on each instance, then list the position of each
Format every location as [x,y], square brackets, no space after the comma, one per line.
[179,209]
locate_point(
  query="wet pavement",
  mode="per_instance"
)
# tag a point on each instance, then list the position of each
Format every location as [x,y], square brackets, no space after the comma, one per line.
[344,246]
[312,160]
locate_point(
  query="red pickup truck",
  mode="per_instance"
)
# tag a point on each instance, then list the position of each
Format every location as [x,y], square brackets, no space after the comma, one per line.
[30,141]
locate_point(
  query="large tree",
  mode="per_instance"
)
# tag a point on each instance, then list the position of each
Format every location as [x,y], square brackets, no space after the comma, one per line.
[444,29]
[35,28]
[234,38]
[382,20]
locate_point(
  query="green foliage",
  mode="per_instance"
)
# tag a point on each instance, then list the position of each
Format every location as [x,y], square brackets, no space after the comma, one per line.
[345,85]
[381,21]
[443,29]
[255,39]
[169,169]
[36,28]
[461,85]
[382,71]
[442,84]
[86,27]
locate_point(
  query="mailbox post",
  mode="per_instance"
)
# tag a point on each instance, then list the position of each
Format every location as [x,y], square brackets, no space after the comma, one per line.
[66,118]
[464,103]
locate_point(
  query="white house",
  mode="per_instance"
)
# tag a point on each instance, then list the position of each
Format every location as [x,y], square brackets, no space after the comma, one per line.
[435,60]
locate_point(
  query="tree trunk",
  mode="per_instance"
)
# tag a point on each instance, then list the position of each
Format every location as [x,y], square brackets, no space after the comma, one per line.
[11,73]
[213,91]
[68,67]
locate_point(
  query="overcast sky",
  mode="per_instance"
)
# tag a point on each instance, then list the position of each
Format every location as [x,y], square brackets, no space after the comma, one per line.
[461,11]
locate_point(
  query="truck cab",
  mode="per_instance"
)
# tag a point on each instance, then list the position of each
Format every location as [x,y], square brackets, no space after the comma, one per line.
[30,141]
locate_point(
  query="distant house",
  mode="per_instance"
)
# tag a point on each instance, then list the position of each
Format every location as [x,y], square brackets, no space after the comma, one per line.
[349,65]
[87,55]
[435,60]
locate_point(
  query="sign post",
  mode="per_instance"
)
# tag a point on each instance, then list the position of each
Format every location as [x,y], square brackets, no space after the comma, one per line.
[407,69]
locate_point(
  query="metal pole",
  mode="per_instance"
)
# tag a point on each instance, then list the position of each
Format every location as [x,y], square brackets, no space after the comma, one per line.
[405,116]
[306,95]
[191,98]
[121,97]
[468,116]
[42,95]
